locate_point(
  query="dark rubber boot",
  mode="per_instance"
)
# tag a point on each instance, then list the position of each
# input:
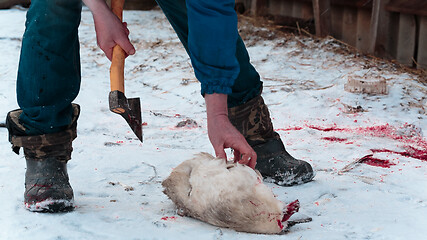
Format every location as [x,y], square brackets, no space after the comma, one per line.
[275,162]
[47,187]
[252,119]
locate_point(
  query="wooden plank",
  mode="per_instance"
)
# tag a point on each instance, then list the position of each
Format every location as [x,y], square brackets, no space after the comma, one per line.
[307,11]
[297,9]
[322,17]
[284,7]
[386,32]
[422,44]
[274,7]
[337,22]
[413,7]
[348,3]
[349,26]
[394,34]
[406,39]
[373,28]
[363,23]
[259,7]
[353,3]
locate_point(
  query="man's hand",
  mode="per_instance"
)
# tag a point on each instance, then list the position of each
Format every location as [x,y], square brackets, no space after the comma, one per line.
[110,31]
[223,134]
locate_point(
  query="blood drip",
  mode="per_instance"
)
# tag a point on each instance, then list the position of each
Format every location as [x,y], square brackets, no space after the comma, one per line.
[334,139]
[292,208]
[280,224]
[289,129]
[411,152]
[376,162]
[328,129]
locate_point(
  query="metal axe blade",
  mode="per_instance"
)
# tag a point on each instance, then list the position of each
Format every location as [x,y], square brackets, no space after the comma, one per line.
[129,109]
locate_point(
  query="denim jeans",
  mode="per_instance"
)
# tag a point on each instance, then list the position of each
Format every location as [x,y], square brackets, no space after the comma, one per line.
[49,67]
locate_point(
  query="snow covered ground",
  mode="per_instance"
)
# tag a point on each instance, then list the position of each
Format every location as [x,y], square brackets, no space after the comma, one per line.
[383,197]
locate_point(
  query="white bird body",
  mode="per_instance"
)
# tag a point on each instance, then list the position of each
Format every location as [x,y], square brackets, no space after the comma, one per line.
[228,195]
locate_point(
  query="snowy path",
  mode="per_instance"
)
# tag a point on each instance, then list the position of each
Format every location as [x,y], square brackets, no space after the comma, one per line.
[304,88]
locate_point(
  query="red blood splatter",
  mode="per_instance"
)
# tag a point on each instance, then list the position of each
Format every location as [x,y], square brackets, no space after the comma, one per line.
[280,224]
[168,218]
[415,145]
[292,208]
[144,124]
[411,152]
[327,129]
[256,205]
[289,129]
[376,162]
[334,139]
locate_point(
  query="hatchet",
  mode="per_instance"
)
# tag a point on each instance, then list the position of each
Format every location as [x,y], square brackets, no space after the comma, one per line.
[128,108]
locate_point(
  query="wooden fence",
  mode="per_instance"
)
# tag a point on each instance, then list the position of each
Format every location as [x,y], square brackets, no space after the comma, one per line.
[395,29]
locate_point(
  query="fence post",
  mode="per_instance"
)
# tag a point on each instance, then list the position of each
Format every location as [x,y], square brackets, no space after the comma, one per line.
[373,29]
[322,17]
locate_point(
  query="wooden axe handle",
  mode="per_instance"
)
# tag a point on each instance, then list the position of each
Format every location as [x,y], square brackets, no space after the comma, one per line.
[117,75]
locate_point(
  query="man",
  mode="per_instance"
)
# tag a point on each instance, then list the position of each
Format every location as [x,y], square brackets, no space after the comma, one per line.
[49,80]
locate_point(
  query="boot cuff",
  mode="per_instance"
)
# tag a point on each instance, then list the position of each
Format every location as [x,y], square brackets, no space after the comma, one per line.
[40,146]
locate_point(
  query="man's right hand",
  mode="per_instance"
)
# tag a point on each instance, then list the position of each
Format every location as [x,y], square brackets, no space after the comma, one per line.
[110,31]
[223,134]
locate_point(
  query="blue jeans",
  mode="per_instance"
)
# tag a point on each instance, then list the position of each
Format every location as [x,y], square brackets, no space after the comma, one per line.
[49,68]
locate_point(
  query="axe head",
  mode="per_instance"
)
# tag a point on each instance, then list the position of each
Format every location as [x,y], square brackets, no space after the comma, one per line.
[129,109]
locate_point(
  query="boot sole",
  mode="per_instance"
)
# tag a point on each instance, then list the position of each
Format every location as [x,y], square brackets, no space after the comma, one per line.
[50,206]
[291,181]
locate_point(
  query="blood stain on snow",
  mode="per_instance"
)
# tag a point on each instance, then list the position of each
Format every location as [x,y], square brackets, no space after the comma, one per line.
[415,145]
[327,129]
[169,218]
[334,139]
[376,162]
[411,152]
[289,129]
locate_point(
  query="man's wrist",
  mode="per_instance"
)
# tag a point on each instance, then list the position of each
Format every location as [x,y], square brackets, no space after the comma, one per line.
[95,5]
[216,104]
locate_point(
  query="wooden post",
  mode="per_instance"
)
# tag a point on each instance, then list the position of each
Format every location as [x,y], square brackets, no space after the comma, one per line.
[337,22]
[349,26]
[362,35]
[406,39]
[322,17]
[386,31]
[373,29]
[422,44]
[259,7]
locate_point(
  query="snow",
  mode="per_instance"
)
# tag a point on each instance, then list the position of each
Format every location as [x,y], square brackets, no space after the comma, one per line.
[304,89]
